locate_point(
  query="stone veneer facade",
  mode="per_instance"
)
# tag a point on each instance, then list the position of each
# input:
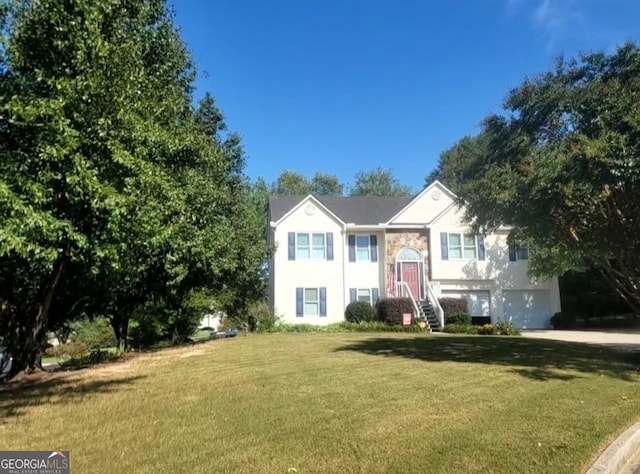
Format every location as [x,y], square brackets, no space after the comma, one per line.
[396,240]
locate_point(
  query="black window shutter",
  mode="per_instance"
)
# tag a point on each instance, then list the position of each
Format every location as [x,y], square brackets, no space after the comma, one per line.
[299,302]
[329,245]
[353,294]
[292,245]
[323,301]
[374,295]
[352,248]
[481,251]
[444,245]
[512,253]
[373,243]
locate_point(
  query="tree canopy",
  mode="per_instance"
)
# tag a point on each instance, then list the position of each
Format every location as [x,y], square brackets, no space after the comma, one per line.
[379,182]
[562,165]
[115,191]
[290,182]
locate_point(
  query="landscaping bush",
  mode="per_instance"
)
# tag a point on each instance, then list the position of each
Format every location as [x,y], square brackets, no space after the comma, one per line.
[459,318]
[372,326]
[97,334]
[563,320]
[359,311]
[363,326]
[261,318]
[452,306]
[94,357]
[487,329]
[390,310]
[461,329]
[69,350]
[506,328]
[144,331]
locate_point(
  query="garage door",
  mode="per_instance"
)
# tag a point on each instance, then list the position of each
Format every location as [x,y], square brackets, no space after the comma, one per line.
[527,309]
[479,302]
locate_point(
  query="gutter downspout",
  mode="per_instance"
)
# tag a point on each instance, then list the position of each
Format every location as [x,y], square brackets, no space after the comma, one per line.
[344,267]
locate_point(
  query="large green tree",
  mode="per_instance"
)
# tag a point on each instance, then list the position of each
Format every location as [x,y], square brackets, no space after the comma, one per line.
[454,163]
[379,182]
[114,191]
[562,165]
[321,184]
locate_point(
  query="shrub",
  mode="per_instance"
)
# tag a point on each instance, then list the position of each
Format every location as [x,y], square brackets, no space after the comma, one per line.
[94,357]
[459,318]
[359,311]
[506,328]
[97,334]
[69,350]
[363,326]
[390,310]
[563,320]
[144,331]
[261,318]
[372,326]
[451,306]
[461,329]
[487,329]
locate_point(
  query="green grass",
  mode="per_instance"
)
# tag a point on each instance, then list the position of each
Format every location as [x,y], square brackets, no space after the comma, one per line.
[331,402]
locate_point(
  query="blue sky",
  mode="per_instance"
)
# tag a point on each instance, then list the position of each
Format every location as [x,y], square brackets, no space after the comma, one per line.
[345,85]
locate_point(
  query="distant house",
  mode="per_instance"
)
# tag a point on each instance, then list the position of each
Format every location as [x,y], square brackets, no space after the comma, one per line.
[334,250]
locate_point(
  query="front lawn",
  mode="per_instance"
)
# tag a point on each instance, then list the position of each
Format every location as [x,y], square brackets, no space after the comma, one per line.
[331,402]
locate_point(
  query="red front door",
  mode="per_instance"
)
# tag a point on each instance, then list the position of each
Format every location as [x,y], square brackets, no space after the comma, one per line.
[411,277]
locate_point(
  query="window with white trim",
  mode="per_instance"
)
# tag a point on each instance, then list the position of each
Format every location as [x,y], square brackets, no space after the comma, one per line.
[311,302]
[522,252]
[311,246]
[462,246]
[364,294]
[363,248]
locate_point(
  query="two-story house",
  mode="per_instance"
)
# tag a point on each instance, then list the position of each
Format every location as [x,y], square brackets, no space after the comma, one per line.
[333,250]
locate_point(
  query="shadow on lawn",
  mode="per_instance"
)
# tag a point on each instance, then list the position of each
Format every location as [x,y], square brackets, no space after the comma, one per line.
[532,358]
[55,391]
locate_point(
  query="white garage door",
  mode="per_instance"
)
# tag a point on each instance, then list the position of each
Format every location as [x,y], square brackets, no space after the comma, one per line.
[527,309]
[479,301]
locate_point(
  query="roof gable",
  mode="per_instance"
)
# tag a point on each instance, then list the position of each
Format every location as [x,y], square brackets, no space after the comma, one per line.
[280,209]
[359,210]
[430,203]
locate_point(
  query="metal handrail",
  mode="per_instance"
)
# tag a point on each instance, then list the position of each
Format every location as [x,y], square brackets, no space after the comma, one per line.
[404,285]
[430,295]
[436,305]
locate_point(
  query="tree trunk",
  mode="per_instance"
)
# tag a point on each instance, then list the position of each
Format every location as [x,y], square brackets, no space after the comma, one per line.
[120,325]
[624,286]
[27,346]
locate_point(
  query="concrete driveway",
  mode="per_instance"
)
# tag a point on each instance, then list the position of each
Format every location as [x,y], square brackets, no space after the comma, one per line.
[622,338]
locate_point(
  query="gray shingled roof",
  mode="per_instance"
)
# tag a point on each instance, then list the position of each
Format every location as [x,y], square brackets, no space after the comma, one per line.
[363,210]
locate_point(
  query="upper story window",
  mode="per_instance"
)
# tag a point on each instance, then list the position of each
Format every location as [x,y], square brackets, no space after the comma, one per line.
[518,252]
[363,248]
[460,246]
[310,246]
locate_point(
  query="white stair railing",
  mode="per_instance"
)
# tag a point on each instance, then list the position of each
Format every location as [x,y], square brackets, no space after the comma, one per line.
[406,292]
[436,305]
